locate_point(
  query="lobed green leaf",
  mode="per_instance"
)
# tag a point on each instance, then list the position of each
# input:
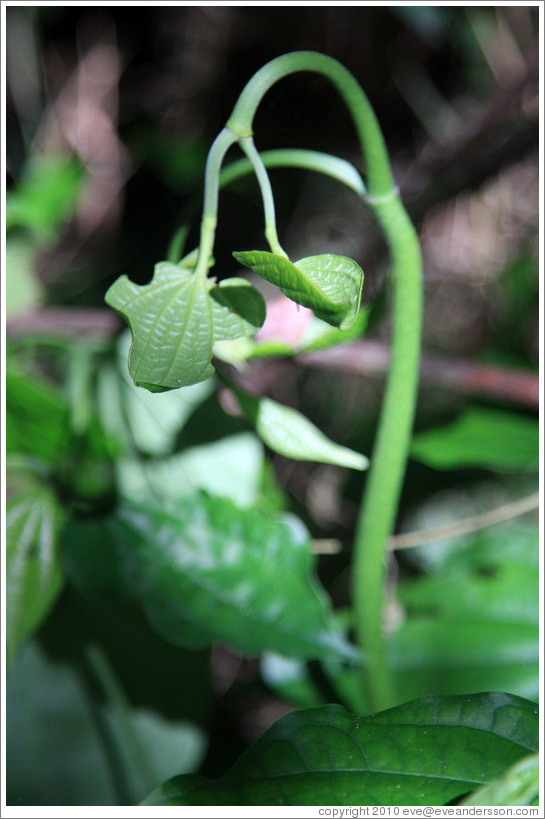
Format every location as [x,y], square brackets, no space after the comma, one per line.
[425,752]
[330,285]
[176,319]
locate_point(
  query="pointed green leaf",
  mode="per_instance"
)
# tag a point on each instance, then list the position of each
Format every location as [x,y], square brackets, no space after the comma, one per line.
[330,285]
[206,571]
[175,320]
[33,572]
[292,435]
[426,752]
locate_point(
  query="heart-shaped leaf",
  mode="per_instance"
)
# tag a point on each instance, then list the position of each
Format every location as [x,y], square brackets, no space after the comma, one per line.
[176,319]
[206,571]
[330,285]
[292,435]
[426,752]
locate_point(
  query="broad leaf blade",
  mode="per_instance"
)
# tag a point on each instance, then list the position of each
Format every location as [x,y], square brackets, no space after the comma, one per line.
[487,438]
[205,571]
[33,572]
[330,285]
[290,434]
[175,320]
[425,752]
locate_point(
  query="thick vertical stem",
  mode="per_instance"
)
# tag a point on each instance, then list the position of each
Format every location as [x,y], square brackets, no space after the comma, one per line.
[390,453]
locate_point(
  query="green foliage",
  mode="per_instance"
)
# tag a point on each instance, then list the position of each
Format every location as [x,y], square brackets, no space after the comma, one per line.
[60,744]
[176,319]
[37,418]
[44,426]
[492,439]
[23,291]
[425,752]
[289,433]
[483,636]
[519,785]
[330,285]
[44,196]
[34,575]
[202,570]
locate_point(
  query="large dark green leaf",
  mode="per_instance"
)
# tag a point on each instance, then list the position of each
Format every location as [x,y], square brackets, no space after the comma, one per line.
[176,319]
[206,571]
[481,437]
[33,572]
[330,285]
[426,752]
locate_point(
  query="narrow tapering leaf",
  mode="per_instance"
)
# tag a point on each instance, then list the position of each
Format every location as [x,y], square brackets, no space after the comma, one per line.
[330,285]
[176,319]
[290,434]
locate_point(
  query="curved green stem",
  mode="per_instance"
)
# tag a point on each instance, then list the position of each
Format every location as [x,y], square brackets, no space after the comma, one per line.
[219,148]
[326,164]
[379,174]
[251,152]
[332,166]
[380,502]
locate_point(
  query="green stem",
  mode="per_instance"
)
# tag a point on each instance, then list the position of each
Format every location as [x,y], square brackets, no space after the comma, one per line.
[326,164]
[119,733]
[219,148]
[271,235]
[380,502]
[332,166]
[379,175]
[390,452]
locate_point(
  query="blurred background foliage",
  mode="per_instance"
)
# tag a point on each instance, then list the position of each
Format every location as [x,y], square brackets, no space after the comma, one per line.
[110,114]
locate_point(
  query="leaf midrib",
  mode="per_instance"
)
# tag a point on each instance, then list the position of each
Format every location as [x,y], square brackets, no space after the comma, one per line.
[177,289]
